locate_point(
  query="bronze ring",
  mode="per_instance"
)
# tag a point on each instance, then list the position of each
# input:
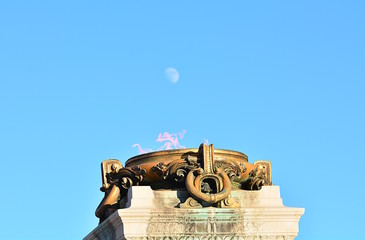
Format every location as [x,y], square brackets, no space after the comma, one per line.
[209,198]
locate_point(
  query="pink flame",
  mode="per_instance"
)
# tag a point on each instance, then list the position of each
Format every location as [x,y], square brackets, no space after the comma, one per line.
[169,140]
[142,150]
[172,141]
[206,141]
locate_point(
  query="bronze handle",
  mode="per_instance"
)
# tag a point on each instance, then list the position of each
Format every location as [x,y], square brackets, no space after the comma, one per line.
[110,199]
[209,198]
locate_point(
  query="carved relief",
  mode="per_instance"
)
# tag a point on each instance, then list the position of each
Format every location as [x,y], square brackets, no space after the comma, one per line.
[217,237]
[258,177]
[264,167]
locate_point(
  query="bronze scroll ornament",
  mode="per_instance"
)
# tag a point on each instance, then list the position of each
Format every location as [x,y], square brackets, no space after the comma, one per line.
[208,175]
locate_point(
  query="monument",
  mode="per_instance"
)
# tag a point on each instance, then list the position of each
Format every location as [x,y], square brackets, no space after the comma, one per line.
[202,193]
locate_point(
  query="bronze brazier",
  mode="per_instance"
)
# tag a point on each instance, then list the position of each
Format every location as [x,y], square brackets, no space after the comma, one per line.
[208,175]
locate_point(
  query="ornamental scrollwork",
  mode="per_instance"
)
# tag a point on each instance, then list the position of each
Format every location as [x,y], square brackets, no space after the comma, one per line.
[208,179]
[116,181]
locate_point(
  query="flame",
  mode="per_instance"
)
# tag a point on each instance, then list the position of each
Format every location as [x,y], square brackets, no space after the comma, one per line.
[172,140]
[169,140]
[142,150]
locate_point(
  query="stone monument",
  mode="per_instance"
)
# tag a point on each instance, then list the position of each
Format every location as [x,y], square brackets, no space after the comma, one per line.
[202,193]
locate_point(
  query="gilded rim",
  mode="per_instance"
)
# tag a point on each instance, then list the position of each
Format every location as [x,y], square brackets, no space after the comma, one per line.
[168,155]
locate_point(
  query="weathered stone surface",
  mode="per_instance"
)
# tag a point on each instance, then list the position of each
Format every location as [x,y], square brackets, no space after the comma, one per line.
[148,214]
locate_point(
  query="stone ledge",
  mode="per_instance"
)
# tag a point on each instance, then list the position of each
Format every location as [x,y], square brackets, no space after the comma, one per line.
[149,214]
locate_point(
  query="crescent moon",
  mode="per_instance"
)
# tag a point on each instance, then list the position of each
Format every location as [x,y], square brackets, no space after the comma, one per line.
[172,75]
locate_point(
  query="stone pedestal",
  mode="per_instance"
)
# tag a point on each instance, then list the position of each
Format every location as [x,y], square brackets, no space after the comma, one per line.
[155,214]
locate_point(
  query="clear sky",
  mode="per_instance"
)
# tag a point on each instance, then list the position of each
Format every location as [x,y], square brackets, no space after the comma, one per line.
[82,81]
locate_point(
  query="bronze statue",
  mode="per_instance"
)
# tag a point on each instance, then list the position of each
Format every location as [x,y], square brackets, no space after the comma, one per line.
[208,175]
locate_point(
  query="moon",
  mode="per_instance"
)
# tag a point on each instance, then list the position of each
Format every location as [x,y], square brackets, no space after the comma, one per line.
[172,75]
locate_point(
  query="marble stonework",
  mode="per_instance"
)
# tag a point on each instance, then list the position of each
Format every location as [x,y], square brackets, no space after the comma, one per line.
[155,214]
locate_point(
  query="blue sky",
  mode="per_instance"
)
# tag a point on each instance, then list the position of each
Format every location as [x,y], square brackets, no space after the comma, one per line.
[83,81]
